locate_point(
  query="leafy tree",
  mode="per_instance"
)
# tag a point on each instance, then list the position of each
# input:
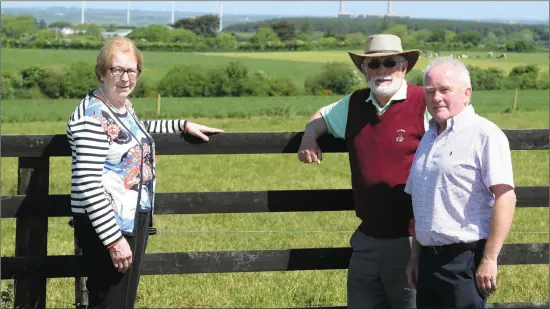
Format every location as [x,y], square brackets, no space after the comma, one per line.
[520,46]
[523,77]
[92,31]
[334,78]
[399,30]
[469,37]
[264,36]
[109,27]
[31,76]
[152,33]
[285,30]
[60,25]
[387,23]
[307,27]
[182,35]
[79,79]
[15,27]
[225,40]
[437,35]
[423,35]
[41,24]
[45,34]
[356,38]
[206,25]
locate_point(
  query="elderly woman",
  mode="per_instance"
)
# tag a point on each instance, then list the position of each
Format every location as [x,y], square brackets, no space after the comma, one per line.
[113,176]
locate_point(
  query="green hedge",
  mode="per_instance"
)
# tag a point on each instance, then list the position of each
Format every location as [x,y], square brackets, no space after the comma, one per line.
[235,80]
[208,45]
[341,78]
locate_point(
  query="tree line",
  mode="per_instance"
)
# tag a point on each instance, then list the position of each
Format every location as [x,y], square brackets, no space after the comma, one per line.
[298,34]
[236,80]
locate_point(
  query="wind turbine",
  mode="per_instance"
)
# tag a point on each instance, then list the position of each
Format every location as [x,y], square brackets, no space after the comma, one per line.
[128,12]
[82,8]
[173,12]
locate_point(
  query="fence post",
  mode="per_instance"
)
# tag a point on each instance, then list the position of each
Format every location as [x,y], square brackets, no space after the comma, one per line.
[31,231]
[515,99]
[158,104]
[80,292]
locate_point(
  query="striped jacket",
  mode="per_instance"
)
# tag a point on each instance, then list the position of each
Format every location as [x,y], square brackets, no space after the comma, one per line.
[113,166]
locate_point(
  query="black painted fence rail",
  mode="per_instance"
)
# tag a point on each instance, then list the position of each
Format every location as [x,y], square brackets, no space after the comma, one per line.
[235,202]
[235,261]
[33,205]
[228,143]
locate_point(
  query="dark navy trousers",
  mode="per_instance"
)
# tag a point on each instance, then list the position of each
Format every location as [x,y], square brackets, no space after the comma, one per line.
[446,277]
[108,288]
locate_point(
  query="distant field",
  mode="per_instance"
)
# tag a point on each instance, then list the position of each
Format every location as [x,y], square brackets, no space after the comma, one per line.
[513,59]
[295,65]
[243,107]
[156,64]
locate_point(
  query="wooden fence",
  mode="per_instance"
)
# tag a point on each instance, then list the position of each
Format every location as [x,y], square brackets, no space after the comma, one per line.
[33,205]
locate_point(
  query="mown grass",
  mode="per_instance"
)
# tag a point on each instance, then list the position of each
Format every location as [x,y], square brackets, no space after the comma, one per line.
[156,64]
[245,107]
[295,65]
[477,58]
[179,233]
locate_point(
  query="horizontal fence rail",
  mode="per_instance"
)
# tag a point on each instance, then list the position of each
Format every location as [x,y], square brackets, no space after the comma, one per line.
[235,261]
[236,202]
[228,143]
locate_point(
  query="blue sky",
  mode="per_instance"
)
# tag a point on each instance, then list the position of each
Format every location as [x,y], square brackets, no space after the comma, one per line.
[509,10]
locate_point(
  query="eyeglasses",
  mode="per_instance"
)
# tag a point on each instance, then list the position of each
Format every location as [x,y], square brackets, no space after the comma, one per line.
[387,63]
[118,72]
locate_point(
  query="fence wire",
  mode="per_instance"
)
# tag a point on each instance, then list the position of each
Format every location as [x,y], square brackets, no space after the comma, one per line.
[184,231]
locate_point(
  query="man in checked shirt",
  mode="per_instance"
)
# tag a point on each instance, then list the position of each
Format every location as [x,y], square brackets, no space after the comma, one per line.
[462,189]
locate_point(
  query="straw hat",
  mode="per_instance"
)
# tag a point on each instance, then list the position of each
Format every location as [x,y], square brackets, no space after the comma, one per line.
[381,45]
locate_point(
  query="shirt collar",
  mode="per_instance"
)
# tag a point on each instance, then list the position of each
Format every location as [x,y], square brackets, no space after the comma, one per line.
[458,122]
[401,94]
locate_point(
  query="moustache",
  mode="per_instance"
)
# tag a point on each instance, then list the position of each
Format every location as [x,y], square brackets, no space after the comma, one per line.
[382,78]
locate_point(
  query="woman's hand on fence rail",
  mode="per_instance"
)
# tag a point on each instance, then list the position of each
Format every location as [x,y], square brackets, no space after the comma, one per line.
[200,130]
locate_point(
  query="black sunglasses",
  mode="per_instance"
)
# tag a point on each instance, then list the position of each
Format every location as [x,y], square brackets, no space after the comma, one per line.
[387,63]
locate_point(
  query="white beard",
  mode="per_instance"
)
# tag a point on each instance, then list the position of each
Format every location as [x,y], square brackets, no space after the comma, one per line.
[384,90]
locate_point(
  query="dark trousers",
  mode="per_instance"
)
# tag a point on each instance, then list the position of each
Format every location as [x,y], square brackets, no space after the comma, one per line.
[446,277]
[376,274]
[107,287]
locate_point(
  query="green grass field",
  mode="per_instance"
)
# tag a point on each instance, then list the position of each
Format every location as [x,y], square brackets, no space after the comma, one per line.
[513,59]
[178,233]
[295,65]
[156,64]
[59,110]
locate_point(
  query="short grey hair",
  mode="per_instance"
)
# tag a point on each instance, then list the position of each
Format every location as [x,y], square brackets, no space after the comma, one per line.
[462,72]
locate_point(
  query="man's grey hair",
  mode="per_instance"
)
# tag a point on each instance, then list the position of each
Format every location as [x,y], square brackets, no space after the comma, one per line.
[462,71]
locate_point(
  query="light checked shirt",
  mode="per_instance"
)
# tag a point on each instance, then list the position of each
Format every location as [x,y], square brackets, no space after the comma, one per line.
[450,179]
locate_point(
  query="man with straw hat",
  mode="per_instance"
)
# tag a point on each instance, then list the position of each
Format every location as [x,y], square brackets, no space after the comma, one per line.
[382,126]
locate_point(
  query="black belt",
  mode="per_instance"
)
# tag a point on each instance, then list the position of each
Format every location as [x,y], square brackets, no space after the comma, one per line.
[453,248]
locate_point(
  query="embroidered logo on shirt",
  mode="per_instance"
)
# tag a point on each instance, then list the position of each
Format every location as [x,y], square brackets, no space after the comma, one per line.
[400,137]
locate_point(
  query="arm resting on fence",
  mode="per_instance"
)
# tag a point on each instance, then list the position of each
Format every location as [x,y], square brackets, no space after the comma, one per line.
[164,126]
